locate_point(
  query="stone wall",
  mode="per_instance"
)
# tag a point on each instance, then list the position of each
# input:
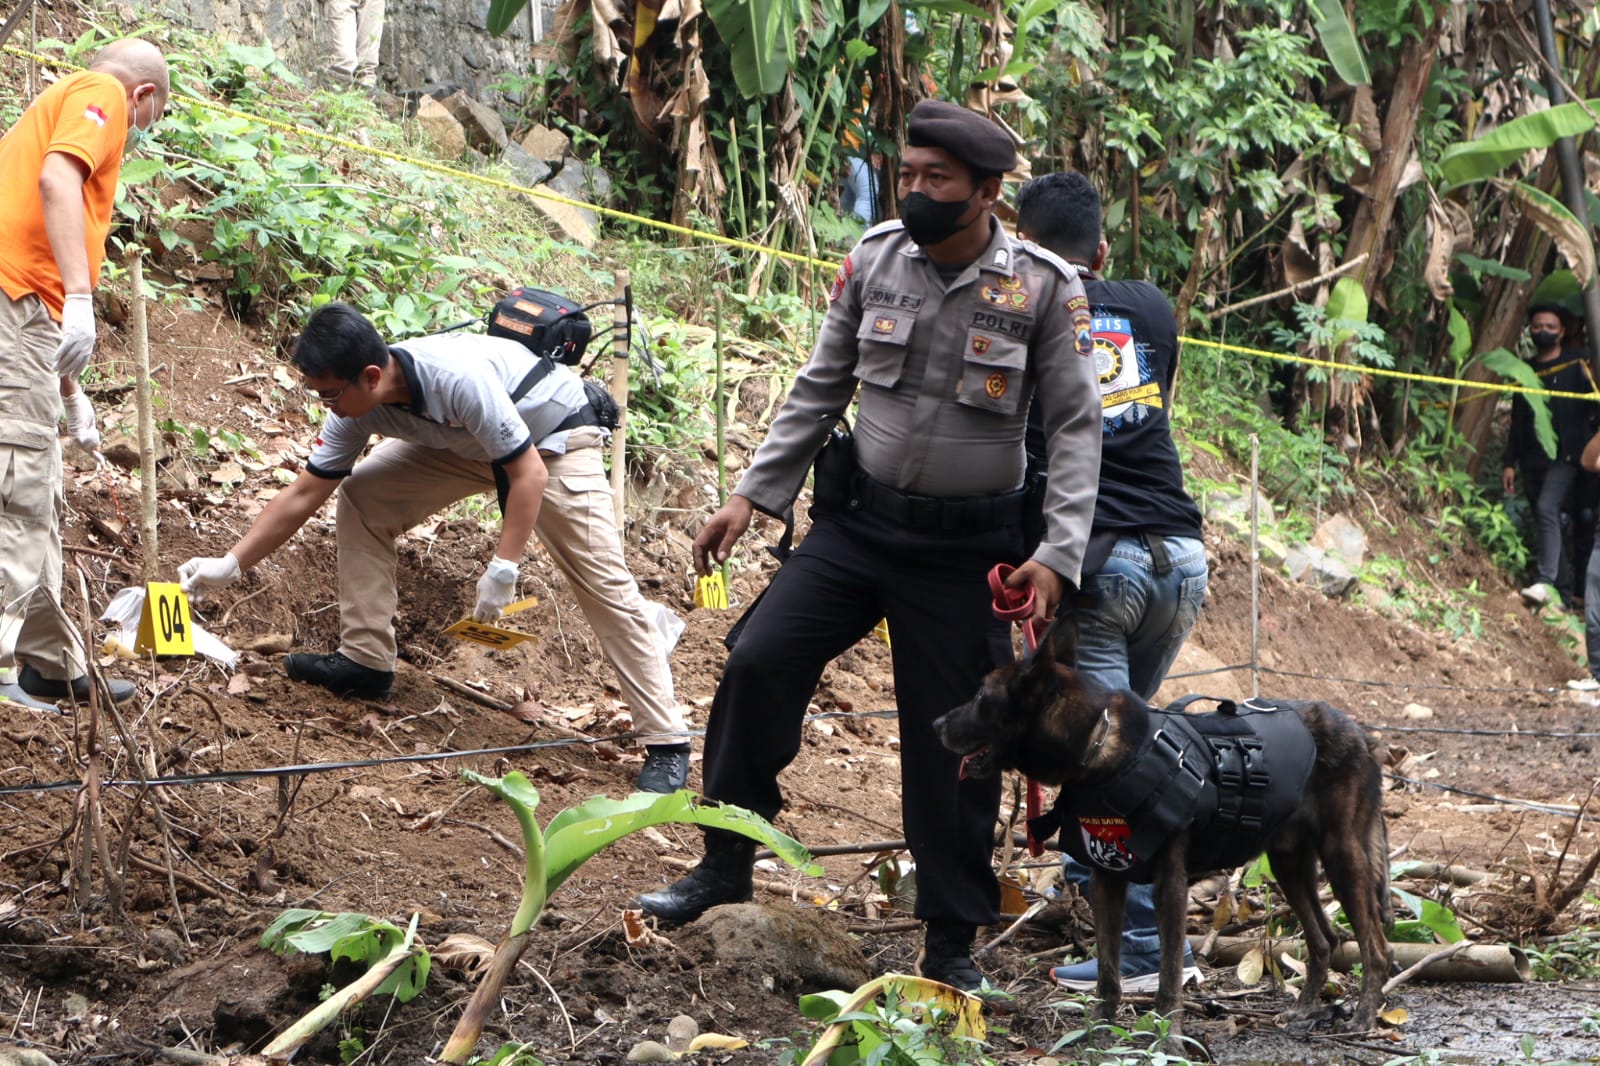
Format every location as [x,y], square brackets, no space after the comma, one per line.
[425,42]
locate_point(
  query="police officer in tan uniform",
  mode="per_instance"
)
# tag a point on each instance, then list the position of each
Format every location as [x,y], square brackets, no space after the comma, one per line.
[946,326]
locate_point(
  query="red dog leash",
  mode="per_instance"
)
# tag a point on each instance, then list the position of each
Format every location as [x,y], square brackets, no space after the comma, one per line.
[1016,605]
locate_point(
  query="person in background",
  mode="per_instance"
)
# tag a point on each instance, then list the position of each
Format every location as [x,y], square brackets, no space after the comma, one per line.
[356,28]
[1145,570]
[462,414]
[945,325]
[59,167]
[1547,481]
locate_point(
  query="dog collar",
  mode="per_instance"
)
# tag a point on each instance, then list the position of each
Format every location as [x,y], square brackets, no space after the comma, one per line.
[1101,734]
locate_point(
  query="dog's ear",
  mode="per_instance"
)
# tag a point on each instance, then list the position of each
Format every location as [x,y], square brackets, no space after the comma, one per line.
[1060,642]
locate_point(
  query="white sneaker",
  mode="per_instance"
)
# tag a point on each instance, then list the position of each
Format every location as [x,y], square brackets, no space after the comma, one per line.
[1540,593]
[1587,684]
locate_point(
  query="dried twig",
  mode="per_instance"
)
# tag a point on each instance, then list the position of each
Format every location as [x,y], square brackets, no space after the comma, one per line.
[1423,963]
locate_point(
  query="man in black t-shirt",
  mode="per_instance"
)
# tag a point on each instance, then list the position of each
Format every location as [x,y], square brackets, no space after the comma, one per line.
[1144,575]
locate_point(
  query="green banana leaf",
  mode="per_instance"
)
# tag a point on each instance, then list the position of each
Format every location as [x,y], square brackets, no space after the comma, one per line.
[1346,303]
[1481,159]
[760,35]
[1460,337]
[1508,365]
[1339,41]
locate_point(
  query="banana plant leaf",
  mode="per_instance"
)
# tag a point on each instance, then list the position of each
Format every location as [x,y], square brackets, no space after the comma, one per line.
[1479,160]
[761,36]
[1339,42]
[1507,364]
[1570,235]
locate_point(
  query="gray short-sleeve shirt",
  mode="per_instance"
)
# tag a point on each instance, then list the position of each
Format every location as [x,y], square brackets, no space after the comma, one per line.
[461,385]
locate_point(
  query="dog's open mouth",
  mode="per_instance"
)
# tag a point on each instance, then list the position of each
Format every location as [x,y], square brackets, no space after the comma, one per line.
[977,763]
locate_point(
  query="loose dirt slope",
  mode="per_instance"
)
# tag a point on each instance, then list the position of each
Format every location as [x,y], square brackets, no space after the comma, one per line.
[207,866]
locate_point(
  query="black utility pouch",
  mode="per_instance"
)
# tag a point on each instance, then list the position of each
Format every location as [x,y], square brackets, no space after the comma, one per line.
[834,471]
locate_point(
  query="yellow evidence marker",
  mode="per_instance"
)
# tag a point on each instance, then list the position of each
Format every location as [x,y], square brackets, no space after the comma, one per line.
[491,635]
[711,592]
[165,626]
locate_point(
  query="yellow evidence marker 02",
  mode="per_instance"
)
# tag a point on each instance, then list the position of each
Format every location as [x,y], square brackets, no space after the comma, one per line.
[165,626]
[710,592]
[493,636]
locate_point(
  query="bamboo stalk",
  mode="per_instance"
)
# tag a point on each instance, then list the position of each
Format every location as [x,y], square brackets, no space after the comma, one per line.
[722,425]
[621,340]
[147,421]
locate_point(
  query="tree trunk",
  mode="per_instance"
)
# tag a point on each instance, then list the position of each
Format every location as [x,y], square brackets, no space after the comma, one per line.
[1370,231]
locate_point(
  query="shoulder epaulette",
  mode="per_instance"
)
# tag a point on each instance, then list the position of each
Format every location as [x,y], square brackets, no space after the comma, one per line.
[893,225]
[1045,255]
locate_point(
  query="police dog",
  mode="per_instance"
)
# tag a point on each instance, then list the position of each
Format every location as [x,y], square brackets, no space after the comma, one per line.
[1321,800]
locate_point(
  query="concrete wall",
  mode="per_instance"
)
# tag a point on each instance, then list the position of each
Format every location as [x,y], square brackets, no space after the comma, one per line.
[424,41]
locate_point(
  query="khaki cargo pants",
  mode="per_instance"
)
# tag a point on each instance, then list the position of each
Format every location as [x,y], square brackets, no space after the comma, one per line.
[32,629]
[400,484]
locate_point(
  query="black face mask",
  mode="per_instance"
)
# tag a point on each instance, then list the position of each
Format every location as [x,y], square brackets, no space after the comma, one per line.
[1545,341]
[929,221]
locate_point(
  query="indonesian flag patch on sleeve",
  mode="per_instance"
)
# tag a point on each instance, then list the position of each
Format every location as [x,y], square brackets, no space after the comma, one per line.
[95,115]
[846,269]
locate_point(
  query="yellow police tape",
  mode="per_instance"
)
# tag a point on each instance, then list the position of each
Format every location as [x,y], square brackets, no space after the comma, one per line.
[1480,387]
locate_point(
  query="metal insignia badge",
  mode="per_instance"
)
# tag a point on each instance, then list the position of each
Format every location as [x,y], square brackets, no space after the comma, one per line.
[994,296]
[1010,284]
[995,385]
[883,325]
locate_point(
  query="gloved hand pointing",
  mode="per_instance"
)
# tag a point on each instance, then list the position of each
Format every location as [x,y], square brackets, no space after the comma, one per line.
[77,335]
[496,589]
[80,422]
[199,576]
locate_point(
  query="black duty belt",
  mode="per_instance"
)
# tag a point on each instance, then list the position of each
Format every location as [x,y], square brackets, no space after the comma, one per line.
[935,514]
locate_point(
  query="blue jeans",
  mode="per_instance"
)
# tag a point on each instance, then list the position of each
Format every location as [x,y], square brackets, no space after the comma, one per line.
[864,182]
[1129,639]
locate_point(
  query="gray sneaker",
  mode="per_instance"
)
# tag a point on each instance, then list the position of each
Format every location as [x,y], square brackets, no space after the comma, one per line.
[11,692]
[1586,684]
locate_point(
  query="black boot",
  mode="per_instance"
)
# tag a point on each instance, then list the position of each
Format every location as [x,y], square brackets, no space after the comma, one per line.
[947,955]
[340,675]
[723,876]
[666,768]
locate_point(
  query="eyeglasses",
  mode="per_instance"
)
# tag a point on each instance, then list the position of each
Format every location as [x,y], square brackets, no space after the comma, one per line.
[330,397]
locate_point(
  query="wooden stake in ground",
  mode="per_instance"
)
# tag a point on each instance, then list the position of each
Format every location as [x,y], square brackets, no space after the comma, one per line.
[147,418]
[621,341]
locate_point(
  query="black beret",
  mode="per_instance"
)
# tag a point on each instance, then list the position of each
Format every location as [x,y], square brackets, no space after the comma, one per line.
[967,135]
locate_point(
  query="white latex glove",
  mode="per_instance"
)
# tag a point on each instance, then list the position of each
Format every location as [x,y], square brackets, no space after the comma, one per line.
[80,422]
[77,335]
[199,576]
[496,589]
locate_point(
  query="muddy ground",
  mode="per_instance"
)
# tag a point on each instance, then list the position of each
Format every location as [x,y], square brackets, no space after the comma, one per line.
[200,869]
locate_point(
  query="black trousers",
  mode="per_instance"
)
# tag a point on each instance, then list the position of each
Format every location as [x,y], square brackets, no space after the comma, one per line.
[850,571]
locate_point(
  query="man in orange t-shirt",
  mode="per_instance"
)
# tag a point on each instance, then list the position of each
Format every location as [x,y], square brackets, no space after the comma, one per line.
[59,166]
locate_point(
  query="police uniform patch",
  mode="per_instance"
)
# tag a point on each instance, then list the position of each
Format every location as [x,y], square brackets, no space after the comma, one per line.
[1075,304]
[883,325]
[1002,258]
[995,385]
[1083,328]
[980,344]
[995,296]
[846,269]
[1012,284]
[1019,301]
[1106,841]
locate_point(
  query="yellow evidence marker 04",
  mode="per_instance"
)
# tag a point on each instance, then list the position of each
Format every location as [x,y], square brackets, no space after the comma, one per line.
[165,627]
[491,635]
[710,592]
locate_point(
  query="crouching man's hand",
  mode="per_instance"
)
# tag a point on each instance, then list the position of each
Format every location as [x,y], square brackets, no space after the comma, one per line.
[496,589]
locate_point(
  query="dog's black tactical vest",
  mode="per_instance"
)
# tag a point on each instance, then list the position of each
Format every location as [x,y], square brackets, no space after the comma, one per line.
[1230,777]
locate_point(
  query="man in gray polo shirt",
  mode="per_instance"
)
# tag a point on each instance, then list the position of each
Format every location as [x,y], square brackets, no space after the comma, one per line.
[461,414]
